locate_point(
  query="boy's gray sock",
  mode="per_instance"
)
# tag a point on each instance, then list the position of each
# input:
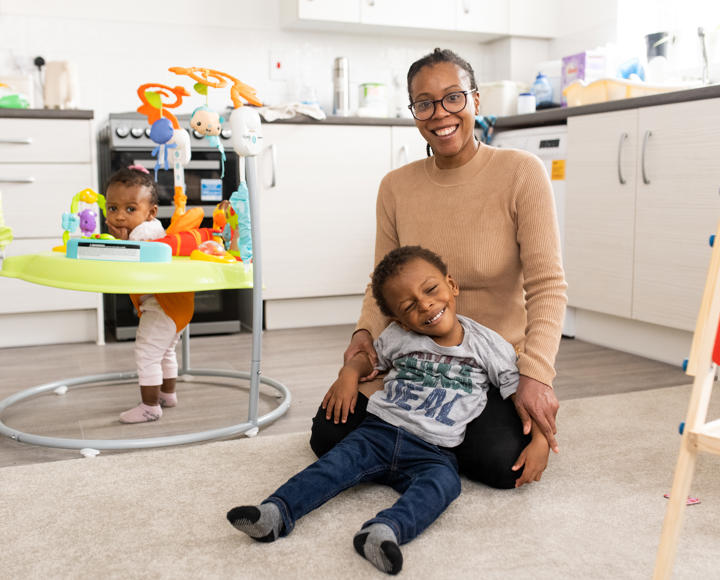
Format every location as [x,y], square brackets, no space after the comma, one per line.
[262,522]
[378,544]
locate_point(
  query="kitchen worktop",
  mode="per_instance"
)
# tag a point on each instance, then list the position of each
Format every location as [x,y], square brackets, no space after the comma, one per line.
[559,116]
[332,120]
[45,114]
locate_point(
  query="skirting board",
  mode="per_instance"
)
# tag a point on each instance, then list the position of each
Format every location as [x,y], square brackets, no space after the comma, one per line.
[659,343]
[36,328]
[321,311]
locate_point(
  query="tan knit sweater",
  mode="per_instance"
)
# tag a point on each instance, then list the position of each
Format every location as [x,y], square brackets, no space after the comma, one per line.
[493,222]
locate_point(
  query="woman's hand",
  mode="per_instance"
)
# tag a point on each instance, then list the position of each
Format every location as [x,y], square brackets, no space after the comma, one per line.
[536,401]
[535,458]
[361,341]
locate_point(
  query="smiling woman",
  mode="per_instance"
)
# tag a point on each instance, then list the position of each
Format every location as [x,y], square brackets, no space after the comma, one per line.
[490,214]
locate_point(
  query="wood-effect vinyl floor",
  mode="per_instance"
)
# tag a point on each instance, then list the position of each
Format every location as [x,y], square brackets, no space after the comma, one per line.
[306,360]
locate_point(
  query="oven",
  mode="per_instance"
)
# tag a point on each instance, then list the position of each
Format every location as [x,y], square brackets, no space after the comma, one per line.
[125,141]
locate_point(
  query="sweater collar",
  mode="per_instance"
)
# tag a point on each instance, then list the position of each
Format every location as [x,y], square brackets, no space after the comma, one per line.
[462,174]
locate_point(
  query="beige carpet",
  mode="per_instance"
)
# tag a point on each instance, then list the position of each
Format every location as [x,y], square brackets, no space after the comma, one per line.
[161,514]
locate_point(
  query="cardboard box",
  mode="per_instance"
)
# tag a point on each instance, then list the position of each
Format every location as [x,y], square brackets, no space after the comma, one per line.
[586,66]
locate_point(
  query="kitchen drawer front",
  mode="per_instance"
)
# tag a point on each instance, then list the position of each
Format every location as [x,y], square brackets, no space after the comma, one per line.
[34,197]
[19,296]
[45,141]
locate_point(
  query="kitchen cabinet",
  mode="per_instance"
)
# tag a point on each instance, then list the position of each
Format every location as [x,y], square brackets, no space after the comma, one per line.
[481,20]
[534,18]
[43,163]
[318,219]
[642,200]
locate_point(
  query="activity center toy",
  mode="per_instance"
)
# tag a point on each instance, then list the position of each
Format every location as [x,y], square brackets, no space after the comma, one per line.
[189,258]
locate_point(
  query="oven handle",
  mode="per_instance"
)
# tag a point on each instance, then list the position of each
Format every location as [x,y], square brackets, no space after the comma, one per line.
[194,164]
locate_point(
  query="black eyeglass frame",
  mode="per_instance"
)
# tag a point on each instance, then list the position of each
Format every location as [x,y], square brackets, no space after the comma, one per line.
[434,104]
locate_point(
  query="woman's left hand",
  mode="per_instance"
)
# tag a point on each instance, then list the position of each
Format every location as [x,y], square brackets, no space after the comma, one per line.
[536,401]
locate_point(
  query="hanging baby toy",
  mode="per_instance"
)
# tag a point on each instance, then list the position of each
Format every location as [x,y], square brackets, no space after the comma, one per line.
[165,131]
[206,121]
[163,124]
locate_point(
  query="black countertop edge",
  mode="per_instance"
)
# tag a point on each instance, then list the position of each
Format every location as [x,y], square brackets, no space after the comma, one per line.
[45,114]
[559,116]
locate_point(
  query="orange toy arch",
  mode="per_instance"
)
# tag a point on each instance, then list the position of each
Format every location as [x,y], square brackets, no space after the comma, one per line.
[153,113]
[217,79]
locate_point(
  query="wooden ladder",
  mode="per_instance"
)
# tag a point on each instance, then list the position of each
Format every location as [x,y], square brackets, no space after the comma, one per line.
[697,434]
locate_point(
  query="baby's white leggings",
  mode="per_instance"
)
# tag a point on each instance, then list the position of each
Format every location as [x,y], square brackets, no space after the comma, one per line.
[155,342]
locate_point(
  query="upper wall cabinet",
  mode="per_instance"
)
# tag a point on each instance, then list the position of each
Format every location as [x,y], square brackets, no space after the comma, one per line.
[482,20]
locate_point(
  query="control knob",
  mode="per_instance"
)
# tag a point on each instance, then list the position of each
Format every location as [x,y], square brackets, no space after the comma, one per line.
[137,132]
[122,131]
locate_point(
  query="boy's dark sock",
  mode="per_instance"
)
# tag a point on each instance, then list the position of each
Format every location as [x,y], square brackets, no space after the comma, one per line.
[262,522]
[378,544]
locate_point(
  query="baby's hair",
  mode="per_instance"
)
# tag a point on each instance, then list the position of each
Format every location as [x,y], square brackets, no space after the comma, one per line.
[135,175]
[437,56]
[391,265]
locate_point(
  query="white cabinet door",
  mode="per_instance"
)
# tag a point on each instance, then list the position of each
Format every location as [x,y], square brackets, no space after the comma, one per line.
[45,141]
[488,16]
[330,10]
[600,211]
[538,18]
[408,13]
[407,145]
[36,195]
[677,210]
[318,222]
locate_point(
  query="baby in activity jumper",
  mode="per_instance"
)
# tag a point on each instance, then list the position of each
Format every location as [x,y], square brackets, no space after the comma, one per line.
[131,201]
[440,367]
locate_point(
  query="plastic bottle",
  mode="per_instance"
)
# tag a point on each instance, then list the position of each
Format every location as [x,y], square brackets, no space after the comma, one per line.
[543,91]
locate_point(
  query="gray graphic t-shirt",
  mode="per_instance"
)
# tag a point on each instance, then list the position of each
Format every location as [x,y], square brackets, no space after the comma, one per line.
[434,391]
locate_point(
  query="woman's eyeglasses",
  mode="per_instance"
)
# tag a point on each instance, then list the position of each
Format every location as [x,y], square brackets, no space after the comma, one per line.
[452,102]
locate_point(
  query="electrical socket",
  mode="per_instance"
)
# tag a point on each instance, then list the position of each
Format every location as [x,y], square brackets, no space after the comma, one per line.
[280,65]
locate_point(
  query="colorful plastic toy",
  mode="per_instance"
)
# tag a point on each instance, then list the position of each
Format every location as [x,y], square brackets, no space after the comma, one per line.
[80,216]
[5,232]
[205,121]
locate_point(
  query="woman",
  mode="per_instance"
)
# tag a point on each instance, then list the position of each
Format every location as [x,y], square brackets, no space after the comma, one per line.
[490,212]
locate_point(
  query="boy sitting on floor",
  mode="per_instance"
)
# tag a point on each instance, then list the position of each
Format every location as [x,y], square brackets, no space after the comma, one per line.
[440,366]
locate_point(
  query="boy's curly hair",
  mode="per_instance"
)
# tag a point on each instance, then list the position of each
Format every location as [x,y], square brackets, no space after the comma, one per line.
[390,266]
[131,176]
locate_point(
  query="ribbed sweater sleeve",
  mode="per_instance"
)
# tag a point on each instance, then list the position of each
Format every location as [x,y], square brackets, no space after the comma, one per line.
[493,221]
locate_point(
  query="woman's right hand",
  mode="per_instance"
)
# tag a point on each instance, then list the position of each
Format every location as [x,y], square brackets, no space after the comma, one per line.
[362,341]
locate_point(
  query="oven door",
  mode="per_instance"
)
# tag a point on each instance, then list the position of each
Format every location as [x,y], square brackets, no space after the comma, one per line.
[205,184]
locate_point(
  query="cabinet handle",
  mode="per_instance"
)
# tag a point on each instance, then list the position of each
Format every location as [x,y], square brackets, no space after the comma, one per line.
[647,135]
[17,180]
[621,179]
[25,141]
[273,162]
[403,155]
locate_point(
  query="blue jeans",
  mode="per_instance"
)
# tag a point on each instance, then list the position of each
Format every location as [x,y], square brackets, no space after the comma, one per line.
[426,475]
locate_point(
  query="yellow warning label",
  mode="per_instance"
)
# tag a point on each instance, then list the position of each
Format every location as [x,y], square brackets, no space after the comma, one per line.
[558,170]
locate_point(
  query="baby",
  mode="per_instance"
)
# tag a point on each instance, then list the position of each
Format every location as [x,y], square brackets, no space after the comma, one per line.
[131,202]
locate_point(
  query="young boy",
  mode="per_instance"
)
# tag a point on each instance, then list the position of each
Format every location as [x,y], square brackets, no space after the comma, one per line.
[440,366]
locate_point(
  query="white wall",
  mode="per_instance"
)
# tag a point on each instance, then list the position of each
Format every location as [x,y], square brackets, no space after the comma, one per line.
[118,46]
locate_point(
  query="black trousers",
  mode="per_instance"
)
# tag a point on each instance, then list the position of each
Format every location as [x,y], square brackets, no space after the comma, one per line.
[493,441]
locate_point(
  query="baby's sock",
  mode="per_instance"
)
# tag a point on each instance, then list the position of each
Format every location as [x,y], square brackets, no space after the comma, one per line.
[141,414]
[378,544]
[168,399]
[262,522]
